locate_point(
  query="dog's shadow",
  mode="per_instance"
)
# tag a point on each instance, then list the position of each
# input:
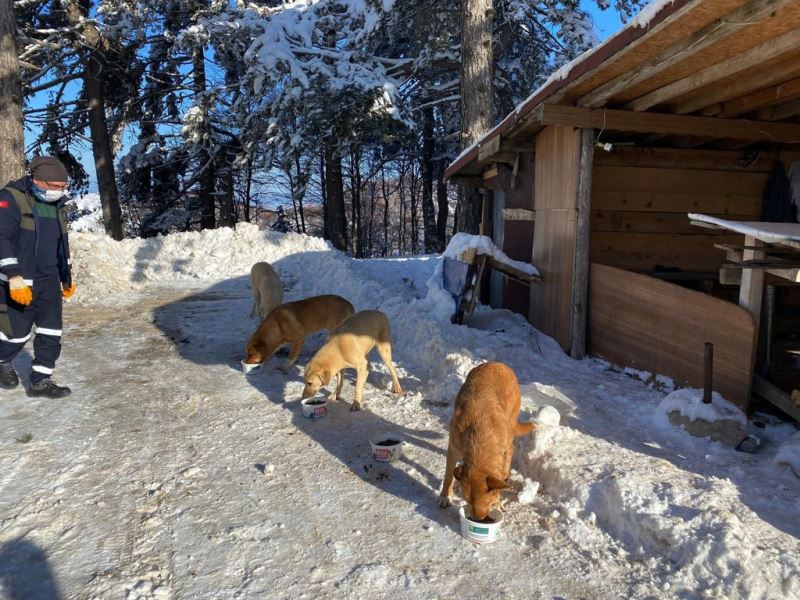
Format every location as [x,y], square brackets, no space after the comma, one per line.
[345,435]
[210,328]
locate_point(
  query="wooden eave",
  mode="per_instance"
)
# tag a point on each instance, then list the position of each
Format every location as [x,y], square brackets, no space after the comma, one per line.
[703,70]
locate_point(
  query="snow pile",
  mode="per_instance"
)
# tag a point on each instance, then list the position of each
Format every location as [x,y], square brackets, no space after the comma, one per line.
[85,214]
[789,454]
[689,403]
[102,265]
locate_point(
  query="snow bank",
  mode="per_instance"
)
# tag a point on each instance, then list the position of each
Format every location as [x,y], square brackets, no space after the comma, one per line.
[102,265]
[789,454]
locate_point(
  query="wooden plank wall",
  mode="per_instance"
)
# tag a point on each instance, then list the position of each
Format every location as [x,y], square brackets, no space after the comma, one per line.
[557,152]
[641,322]
[640,198]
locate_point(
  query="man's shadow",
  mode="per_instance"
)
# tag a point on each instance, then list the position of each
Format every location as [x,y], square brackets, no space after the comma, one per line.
[25,573]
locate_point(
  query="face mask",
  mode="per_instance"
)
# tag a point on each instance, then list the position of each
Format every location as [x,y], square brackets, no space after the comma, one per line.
[50,196]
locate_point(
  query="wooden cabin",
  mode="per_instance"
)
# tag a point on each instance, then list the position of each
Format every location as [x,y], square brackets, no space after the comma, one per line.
[592,179]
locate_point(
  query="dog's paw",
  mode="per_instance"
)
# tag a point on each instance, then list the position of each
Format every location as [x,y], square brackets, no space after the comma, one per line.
[333,397]
[396,389]
[354,407]
[443,501]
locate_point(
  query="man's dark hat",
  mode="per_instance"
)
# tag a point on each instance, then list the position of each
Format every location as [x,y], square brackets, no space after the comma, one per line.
[48,168]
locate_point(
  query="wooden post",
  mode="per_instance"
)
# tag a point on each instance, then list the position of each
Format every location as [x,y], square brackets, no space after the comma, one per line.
[751,291]
[708,374]
[580,287]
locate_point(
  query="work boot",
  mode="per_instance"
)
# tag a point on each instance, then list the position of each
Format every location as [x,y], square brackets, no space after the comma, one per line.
[8,376]
[46,388]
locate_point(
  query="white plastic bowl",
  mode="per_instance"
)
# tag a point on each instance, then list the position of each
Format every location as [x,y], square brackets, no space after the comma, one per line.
[481,533]
[384,453]
[317,410]
[247,368]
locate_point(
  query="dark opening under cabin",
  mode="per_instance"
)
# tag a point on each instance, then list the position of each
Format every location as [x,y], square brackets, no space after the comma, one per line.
[627,179]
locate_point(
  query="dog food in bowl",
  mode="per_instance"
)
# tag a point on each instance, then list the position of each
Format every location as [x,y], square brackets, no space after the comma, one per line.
[485,531]
[314,408]
[248,368]
[386,447]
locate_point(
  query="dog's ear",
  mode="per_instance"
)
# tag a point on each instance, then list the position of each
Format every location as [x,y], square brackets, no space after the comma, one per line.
[458,472]
[496,484]
[325,377]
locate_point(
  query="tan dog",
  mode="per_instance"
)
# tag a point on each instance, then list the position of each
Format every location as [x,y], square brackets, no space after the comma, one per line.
[482,434]
[291,323]
[347,347]
[267,289]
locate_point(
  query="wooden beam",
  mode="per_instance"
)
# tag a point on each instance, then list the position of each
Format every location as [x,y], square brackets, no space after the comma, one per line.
[775,396]
[751,290]
[489,173]
[580,274]
[638,122]
[512,272]
[518,214]
[752,58]
[767,75]
[712,33]
[776,113]
[766,97]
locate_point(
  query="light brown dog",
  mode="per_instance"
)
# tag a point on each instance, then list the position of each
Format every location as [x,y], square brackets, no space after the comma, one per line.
[482,434]
[291,323]
[347,347]
[267,289]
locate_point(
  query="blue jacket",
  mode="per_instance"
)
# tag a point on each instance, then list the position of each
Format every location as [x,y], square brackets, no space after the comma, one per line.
[19,235]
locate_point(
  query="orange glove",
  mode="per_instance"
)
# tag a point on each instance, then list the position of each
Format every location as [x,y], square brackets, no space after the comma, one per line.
[20,291]
[68,291]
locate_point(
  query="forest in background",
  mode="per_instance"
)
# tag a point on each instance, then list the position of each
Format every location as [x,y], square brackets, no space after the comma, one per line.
[345,113]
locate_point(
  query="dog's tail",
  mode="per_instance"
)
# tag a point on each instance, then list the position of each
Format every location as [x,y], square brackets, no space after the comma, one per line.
[523,428]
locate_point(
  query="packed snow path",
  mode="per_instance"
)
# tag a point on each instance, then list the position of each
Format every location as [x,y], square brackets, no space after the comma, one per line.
[170,474]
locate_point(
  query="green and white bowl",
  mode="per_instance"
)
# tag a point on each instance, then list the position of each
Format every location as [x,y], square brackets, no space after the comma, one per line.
[480,533]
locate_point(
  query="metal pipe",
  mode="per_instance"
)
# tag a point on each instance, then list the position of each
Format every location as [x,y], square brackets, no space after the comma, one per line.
[708,374]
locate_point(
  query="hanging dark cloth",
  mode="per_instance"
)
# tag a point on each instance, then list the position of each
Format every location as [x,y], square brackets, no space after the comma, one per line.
[777,204]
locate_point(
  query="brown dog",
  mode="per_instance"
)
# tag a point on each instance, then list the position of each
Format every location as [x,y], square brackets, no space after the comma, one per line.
[292,322]
[482,434]
[347,347]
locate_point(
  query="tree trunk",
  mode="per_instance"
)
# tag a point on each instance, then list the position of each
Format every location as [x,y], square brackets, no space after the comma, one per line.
[206,162]
[444,205]
[226,214]
[335,219]
[248,188]
[385,192]
[101,148]
[93,63]
[300,196]
[12,141]
[476,95]
[432,241]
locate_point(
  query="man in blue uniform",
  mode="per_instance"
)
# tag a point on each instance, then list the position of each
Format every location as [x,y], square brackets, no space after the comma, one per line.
[34,273]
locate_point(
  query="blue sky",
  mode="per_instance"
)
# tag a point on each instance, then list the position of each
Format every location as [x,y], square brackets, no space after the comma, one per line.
[606,24]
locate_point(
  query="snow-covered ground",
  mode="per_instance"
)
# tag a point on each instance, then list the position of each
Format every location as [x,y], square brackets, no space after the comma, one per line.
[169,474]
